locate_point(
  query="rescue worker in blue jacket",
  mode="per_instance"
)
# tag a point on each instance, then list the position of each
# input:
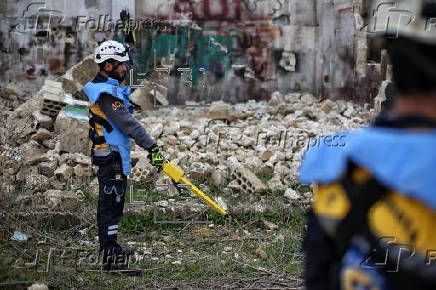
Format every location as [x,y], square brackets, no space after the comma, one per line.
[373,220]
[111,127]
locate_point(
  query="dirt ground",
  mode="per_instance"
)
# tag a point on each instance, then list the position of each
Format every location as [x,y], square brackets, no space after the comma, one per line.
[255,249]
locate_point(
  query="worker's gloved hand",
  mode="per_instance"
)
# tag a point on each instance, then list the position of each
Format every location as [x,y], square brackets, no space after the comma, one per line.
[156,158]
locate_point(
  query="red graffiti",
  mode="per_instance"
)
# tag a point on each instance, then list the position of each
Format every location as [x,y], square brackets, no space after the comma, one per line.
[221,10]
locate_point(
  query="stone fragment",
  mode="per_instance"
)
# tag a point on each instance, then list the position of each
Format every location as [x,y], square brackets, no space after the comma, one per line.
[292,194]
[64,173]
[44,121]
[261,254]
[41,135]
[47,168]
[270,226]
[38,286]
[72,133]
[61,200]
[266,155]
[327,106]
[37,182]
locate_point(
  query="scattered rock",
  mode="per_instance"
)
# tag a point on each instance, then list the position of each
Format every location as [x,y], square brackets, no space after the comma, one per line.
[37,182]
[61,200]
[266,155]
[44,121]
[41,135]
[292,194]
[270,226]
[38,286]
[261,254]
[64,173]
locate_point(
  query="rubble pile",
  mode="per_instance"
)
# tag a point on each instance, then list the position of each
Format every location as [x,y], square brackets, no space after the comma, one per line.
[45,146]
[233,144]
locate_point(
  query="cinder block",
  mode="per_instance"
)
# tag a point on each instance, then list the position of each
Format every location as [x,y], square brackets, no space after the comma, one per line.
[52,104]
[139,175]
[247,180]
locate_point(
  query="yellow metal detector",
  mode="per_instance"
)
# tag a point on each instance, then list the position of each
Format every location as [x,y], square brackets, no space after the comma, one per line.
[177,175]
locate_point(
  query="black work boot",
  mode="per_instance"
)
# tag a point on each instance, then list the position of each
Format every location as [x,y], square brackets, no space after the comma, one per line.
[116,260]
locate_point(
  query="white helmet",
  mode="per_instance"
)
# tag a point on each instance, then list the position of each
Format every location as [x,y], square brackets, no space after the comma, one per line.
[111,49]
[414,19]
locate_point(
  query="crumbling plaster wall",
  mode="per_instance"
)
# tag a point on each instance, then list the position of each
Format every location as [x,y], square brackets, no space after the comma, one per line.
[322,38]
[28,55]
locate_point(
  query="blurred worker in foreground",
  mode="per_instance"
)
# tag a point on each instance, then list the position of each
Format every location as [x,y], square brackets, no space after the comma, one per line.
[374,213]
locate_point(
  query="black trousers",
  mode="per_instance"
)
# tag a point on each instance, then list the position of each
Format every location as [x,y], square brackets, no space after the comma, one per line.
[111,197]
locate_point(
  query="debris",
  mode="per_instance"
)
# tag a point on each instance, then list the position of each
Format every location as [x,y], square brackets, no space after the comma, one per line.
[64,173]
[61,200]
[261,254]
[139,175]
[176,263]
[19,236]
[292,194]
[270,225]
[41,135]
[44,121]
[37,182]
[247,180]
[72,132]
[38,286]
[288,61]
[266,155]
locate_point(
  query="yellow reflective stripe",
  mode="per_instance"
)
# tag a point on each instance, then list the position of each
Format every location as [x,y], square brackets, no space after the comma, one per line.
[406,219]
[95,109]
[356,279]
[331,201]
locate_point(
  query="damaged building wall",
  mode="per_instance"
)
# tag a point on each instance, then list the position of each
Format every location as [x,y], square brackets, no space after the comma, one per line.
[289,46]
[212,50]
[42,40]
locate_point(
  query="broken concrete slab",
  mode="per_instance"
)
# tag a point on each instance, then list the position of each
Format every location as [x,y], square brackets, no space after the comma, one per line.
[64,173]
[61,200]
[43,120]
[72,132]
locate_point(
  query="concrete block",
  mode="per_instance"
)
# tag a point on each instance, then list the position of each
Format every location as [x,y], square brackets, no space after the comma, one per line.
[139,175]
[72,129]
[199,170]
[247,180]
[52,104]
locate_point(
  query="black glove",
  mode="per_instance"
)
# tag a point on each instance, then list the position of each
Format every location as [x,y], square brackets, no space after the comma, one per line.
[156,158]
